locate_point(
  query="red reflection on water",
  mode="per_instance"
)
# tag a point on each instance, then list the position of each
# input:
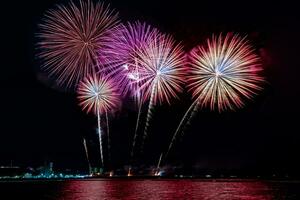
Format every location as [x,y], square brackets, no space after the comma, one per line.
[166,189]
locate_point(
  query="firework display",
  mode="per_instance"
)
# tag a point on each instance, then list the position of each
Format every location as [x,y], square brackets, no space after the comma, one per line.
[85,47]
[71,38]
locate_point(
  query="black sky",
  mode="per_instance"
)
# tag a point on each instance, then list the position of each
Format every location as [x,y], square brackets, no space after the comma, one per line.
[38,122]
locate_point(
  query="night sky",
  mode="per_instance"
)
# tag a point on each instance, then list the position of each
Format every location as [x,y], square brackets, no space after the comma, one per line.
[40,122]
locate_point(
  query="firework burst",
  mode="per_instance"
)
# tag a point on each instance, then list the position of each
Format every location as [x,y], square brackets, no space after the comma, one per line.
[223,73]
[98,95]
[71,38]
[161,68]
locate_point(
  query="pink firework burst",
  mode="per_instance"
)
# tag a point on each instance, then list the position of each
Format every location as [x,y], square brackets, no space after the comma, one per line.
[121,57]
[98,94]
[224,72]
[161,66]
[71,38]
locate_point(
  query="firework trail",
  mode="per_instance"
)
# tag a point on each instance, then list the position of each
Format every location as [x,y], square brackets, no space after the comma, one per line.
[136,128]
[223,74]
[108,136]
[159,161]
[157,171]
[136,77]
[161,67]
[149,116]
[128,39]
[100,136]
[98,95]
[186,118]
[139,104]
[70,40]
[87,155]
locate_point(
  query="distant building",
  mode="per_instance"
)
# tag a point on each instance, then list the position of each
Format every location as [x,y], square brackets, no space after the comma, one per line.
[11,171]
[46,170]
[97,170]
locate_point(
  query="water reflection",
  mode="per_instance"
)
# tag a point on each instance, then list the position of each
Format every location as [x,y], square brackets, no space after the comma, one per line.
[164,189]
[150,189]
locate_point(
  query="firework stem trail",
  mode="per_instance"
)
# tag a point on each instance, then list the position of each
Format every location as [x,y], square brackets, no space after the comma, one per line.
[136,127]
[149,114]
[140,104]
[159,161]
[108,136]
[100,137]
[193,108]
[87,155]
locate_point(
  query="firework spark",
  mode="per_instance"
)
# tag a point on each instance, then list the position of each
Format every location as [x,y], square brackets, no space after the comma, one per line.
[71,38]
[223,74]
[161,67]
[108,135]
[98,95]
